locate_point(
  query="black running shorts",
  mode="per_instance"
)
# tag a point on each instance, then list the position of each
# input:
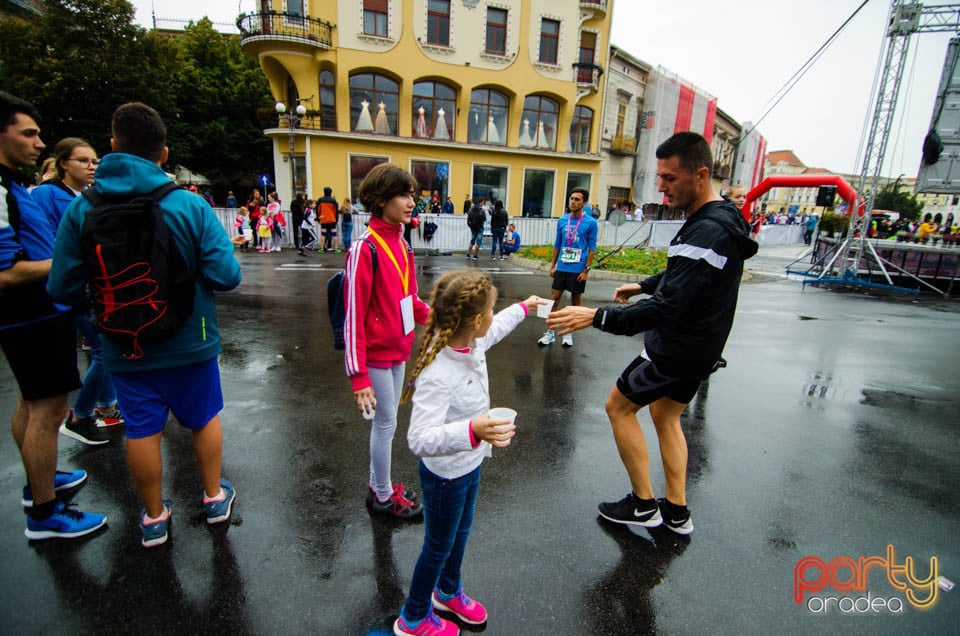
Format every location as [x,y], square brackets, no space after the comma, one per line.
[43,357]
[567,281]
[642,383]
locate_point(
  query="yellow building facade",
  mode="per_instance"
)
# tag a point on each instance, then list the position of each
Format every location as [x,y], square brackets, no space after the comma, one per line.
[497,99]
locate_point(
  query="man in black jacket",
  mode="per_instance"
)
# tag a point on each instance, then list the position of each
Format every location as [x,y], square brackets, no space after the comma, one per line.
[686,321]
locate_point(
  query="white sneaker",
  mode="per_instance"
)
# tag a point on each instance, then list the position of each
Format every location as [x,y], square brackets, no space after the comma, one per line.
[547,338]
[567,340]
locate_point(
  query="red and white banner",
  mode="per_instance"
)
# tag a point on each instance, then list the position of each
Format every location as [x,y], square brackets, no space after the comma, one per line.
[672,105]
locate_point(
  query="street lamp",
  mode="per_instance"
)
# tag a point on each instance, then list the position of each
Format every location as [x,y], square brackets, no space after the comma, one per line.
[293,119]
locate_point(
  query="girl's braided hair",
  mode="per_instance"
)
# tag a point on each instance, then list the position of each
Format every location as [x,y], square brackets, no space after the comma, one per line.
[457,298]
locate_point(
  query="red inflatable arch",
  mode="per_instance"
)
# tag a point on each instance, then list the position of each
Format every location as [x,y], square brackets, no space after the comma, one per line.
[844,189]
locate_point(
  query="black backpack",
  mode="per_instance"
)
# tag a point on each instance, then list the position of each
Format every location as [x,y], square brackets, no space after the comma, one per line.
[142,287]
[336,305]
[476,218]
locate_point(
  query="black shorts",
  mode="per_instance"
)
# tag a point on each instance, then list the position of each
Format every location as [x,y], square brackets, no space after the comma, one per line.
[567,281]
[43,357]
[642,383]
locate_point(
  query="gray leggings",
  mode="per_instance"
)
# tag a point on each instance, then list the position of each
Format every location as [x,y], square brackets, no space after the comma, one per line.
[387,386]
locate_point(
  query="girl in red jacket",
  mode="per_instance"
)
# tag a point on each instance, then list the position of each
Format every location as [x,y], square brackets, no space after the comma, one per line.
[382,308]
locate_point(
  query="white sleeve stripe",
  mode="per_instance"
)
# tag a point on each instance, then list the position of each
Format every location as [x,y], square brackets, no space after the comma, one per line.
[697,253]
[350,320]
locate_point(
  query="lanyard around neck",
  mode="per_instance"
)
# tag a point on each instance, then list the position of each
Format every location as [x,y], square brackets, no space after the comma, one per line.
[403,273]
[576,228]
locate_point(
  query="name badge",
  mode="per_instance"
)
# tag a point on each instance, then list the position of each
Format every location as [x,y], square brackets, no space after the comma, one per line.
[406,312]
[570,255]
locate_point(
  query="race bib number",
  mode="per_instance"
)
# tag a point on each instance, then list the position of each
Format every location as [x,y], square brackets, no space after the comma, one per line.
[570,255]
[406,312]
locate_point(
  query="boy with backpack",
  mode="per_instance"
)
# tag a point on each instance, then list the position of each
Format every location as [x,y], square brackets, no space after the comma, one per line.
[175,367]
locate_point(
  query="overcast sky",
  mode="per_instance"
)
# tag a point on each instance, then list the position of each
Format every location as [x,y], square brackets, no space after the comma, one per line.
[742,52]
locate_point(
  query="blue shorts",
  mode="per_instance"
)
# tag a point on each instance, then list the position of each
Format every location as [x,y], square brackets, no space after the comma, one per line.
[476,238]
[191,392]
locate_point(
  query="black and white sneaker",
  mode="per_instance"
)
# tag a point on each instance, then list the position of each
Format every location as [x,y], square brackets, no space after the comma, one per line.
[681,524]
[626,511]
[84,430]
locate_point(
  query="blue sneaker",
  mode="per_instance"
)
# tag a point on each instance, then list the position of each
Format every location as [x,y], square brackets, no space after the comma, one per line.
[64,523]
[61,481]
[155,533]
[219,511]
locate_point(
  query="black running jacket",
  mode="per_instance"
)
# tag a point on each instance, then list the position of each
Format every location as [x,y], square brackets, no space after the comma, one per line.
[689,313]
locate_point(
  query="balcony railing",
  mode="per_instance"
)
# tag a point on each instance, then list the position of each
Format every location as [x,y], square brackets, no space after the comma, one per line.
[270,25]
[588,75]
[598,7]
[623,145]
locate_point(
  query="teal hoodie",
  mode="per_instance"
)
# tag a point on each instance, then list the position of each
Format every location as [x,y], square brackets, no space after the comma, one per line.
[197,233]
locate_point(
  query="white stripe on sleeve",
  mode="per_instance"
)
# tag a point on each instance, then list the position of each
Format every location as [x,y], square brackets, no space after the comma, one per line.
[698,253]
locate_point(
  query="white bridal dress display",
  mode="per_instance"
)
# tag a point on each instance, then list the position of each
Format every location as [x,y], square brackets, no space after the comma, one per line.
[440,130]
[493,136]
[542,141]
[526,141]
[364,122]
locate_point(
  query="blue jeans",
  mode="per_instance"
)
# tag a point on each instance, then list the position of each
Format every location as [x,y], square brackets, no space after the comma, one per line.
[347,230]
[448,506]
[97,389]
[497,239]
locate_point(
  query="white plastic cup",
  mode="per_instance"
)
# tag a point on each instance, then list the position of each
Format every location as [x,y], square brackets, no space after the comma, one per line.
[247,234]
[544,310]
[502,413]
[368,412]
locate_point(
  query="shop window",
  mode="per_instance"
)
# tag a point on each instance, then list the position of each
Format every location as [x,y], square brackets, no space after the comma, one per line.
[487,121]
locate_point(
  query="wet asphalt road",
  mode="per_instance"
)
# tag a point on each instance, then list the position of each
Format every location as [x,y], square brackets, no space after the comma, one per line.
[834,431]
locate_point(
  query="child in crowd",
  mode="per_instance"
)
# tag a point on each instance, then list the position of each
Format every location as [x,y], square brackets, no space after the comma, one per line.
[346,223]
[452,432]
[265,231]
[240,223]
[308,227]
[381,307]
[277,221]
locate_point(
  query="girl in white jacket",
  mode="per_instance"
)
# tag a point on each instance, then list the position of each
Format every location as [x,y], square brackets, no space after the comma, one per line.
[451,431]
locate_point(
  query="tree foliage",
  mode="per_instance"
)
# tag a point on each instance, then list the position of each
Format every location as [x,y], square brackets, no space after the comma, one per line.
[892,198]
[83,58]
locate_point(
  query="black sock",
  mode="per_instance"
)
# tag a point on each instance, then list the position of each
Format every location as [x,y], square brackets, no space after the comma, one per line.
[39,512]
[674,509]
[644,504]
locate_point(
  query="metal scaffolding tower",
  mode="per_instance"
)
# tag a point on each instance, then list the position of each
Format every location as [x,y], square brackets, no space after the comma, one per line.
[905,19]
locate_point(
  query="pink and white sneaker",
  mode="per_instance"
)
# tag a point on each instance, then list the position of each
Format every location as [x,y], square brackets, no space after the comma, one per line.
[464,607]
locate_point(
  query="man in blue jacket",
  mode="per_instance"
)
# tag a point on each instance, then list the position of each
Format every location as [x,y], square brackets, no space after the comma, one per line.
[686,321]
[179,374]
[36,336]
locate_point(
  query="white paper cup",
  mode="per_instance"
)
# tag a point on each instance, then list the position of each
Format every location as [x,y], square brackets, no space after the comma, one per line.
[544,310]
[247,234]
[501,413]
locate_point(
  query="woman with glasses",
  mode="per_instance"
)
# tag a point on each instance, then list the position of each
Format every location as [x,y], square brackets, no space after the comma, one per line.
[96,404]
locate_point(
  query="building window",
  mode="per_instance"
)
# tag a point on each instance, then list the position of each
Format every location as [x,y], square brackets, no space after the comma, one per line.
[588,46]
[374,103]
[490,183]
[432,178]
[539,124]
[375,17]
[434,107]
[579,180]
[488,117]
[621,120]
[497,31]
[549,41]
[294,12]
[438,22]
[580,126]
[617,198]
[328,101]
[538,193]
[360,166]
